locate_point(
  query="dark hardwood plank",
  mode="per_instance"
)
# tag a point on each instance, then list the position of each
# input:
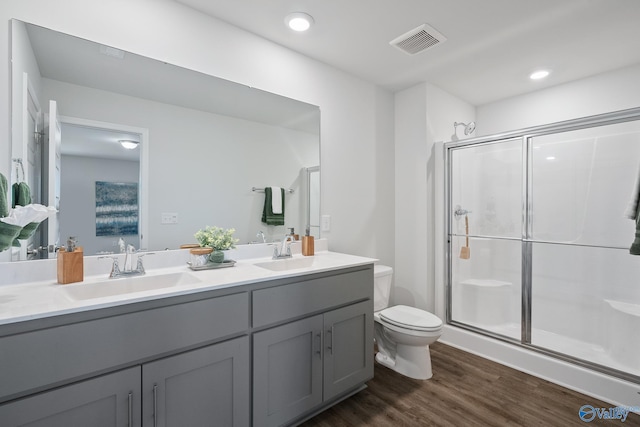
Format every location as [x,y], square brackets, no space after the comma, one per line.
[466,390]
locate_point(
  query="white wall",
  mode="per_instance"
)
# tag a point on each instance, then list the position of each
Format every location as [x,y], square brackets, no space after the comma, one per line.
[424,115]
[356,116]
[78,199]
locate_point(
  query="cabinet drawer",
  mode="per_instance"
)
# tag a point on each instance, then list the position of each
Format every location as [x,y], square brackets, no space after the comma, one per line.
[34,360]
[284,302]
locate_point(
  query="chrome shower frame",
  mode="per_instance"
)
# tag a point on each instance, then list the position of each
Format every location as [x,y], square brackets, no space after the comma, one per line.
[525,135]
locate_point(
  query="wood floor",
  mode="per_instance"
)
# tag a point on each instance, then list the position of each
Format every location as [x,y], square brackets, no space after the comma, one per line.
[466,390]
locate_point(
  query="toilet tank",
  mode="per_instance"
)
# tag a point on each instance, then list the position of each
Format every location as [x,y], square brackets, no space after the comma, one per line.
[382,275]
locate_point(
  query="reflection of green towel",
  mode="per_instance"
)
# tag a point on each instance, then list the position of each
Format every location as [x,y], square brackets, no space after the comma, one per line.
[21,194]
[4,188]
[268,217]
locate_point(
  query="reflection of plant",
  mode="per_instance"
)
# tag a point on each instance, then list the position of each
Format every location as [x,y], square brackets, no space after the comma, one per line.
[217,238]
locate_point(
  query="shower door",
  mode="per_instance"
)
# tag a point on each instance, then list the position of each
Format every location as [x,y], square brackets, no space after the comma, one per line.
[486,233]
[547,264]
[584,282]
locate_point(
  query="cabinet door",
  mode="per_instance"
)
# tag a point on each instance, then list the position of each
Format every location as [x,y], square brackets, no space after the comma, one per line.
[108,401]
[287,371]
[204,387]
[348,348]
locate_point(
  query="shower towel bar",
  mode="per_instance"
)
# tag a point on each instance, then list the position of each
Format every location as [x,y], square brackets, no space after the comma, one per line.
[261,190]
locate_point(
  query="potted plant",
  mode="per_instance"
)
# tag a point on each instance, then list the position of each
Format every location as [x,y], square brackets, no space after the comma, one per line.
[218,239]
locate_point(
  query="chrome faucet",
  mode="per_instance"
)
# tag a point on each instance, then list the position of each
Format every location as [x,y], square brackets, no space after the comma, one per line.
[285,249]
[261,235]
[128,263]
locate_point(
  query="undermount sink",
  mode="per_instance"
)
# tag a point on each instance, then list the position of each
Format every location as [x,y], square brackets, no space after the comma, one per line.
[286,264]
[128,285]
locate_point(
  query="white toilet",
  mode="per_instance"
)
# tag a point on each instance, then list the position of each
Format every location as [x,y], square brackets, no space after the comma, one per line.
[402,333]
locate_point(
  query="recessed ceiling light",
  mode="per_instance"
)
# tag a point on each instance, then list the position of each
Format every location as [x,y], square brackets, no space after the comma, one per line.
[298,21]
[128,144]
[537,75]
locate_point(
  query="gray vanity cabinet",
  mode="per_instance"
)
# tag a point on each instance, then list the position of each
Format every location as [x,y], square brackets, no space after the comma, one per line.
[272,352]
[348,348]
[287,371]
[111,400]
[204,387]
[300,365]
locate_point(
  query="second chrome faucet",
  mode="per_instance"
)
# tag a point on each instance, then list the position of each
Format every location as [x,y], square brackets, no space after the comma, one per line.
[285,247]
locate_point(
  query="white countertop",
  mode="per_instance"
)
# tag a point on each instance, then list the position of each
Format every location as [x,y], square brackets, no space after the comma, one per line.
[43,299]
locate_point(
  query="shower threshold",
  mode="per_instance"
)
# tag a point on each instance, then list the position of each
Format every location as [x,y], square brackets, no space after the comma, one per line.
[574,348]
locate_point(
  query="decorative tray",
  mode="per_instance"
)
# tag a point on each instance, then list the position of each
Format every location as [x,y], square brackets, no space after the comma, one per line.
[213,265]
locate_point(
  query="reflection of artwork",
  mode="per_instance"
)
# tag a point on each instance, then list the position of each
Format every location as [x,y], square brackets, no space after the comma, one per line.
[116,208]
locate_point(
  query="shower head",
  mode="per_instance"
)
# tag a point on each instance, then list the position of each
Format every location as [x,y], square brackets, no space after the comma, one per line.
[468,128]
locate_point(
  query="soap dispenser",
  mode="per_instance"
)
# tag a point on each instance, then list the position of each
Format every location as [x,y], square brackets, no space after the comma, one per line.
[307,243]
[70,263]
[293,233]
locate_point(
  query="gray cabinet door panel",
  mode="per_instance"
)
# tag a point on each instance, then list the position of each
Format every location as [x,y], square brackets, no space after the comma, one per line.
[100,402]
[280,303]
[71,351]
[287,371]
[204,387]
[348,348]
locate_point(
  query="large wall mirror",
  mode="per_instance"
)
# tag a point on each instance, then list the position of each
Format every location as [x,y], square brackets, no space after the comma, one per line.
[202,148]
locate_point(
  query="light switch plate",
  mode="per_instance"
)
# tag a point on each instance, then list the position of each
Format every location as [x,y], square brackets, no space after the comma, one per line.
[169,218]
[325,224]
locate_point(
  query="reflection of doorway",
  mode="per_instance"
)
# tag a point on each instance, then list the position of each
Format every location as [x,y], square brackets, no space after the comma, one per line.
[27,161]
[92,152]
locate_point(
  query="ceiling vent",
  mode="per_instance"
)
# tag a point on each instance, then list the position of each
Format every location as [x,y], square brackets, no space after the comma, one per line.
[418,40]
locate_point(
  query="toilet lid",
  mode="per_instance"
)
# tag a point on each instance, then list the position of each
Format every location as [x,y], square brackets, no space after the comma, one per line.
[411,318]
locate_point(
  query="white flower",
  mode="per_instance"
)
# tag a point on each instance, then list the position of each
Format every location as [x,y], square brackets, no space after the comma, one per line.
[217,238]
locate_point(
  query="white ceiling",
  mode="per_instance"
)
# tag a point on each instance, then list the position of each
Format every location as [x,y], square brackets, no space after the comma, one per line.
[492,45]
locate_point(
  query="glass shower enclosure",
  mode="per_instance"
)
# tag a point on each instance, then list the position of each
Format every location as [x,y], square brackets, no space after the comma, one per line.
[538,241]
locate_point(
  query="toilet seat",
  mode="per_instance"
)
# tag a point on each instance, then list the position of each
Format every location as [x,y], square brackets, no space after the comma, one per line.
[412,318]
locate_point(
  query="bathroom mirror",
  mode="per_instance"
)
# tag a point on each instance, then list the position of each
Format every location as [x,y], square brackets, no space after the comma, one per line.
[204,147]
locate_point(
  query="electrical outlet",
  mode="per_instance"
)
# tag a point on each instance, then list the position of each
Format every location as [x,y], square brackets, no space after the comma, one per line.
[325,224]
[169,218]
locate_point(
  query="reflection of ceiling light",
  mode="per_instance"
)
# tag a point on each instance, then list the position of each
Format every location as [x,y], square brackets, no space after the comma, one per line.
[128,144]
[537,75]
[298,21]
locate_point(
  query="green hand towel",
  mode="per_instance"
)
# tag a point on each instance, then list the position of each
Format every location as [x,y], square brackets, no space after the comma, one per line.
[268,217]
[4,189]
[21,194]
